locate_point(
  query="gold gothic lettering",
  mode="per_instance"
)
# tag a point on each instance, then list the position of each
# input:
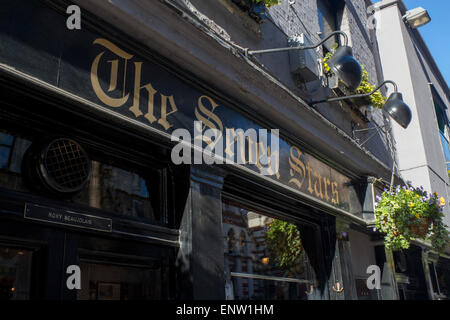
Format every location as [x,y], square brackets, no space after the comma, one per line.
[208,118]
[297,166]
[317,185]
[167,102]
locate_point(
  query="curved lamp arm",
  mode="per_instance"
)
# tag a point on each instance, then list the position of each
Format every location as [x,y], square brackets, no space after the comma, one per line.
[342,33]
[359,95]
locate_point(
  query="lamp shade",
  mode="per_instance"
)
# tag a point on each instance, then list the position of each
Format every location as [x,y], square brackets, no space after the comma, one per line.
[398,109]
[345,66]
[417,17]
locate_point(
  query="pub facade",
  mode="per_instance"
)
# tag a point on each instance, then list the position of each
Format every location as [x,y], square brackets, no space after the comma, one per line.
[87,177]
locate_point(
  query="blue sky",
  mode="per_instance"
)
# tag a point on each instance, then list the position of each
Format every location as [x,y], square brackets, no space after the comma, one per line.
[436,33]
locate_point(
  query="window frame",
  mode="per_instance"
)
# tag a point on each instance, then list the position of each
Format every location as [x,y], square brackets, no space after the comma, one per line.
[289,216]
[334,9]
[45,117]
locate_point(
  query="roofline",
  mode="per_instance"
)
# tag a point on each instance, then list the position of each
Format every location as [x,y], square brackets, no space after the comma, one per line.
[420,42]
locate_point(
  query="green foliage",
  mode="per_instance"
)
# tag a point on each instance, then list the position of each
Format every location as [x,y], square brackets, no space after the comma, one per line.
[327,57]
[267,3]
[376,99]
[284,243]
[403,213]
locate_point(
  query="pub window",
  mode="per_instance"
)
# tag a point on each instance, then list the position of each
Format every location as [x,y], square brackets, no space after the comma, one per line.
[443,124]
[265,271]
[120,282]
[6,143]
[434,282]
[116,186]
[443,276]
[15,273]
[328,12]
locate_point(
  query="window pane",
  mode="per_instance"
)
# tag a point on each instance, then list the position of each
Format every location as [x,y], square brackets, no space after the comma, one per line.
[443,277]
[265,258]
[440,117]
[327,20]
[6,139]
[15,273]
[446,149]
[115,186]
[123,192]
[110,282]
[4,157]
[11,178]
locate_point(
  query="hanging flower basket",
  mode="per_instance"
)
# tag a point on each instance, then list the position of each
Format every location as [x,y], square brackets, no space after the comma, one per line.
[407,213]
[420,228]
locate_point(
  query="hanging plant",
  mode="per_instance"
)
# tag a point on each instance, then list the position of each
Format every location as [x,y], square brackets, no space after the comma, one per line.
[377,100]
[327,70]
[284,243]
[407,213]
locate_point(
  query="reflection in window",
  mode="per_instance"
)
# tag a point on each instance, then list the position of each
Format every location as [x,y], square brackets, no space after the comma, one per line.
[12,149]
[443,124]
[123,190]
[327,16]
[15,273]
[110,282]
[119,191]
[230,240]
[271,264]
[443,277]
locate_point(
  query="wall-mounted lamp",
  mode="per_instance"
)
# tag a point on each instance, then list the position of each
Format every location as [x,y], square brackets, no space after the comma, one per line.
[417,17]
[343,64]
[394,106]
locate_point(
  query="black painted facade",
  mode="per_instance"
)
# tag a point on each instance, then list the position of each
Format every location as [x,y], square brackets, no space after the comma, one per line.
[54,82]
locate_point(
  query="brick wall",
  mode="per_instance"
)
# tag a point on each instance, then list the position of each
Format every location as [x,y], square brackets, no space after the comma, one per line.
[293,17]
[302,17]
